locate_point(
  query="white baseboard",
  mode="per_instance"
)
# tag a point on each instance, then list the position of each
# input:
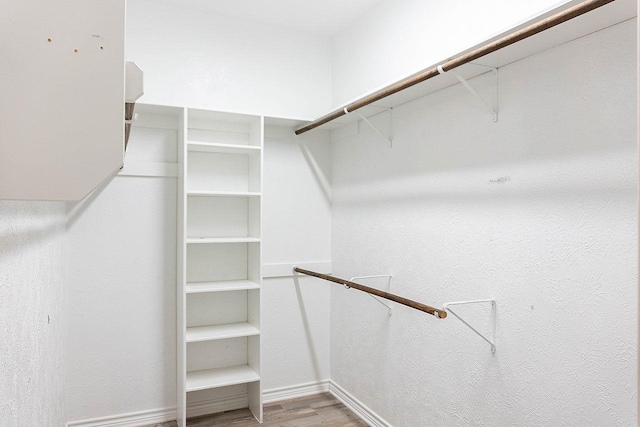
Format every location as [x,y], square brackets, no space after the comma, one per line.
[292,392]
[163,415]
[357,407]
[132,419]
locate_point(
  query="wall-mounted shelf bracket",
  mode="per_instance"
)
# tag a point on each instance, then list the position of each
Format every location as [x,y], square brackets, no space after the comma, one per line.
[491,341]
[388,306]
[491,106]
[388,139]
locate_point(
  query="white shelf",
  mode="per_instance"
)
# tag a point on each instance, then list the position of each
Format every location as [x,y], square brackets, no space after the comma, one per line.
[221,332]
[222,286]
[223,240]
[221,377]
[220,158]
[223,194]
[210,147]
[613,13]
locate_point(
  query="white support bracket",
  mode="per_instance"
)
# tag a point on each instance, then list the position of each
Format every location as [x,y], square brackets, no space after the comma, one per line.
[389,138]
[491,341]
[491,106]
[388,306]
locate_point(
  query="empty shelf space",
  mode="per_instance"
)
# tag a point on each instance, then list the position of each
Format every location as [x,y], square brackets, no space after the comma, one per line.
[221,377]
[223,240]
[222,286]
[210,147]
[221,332]
[223,194]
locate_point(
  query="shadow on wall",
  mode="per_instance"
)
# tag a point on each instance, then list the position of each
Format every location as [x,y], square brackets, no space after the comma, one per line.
[575,109]
[307,330]
[321,174]
[17,240]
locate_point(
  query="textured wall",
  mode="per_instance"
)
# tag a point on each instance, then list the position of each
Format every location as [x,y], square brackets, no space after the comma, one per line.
[297,228]
[121,283]
[391,41]
[31,314]
[208,61]
[538,211]
[121,247]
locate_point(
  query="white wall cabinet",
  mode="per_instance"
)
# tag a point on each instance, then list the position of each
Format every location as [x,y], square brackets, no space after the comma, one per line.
[220,161]
[61,97]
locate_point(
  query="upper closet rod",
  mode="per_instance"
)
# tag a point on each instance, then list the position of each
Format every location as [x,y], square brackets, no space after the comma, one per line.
[514,37]
[441,314]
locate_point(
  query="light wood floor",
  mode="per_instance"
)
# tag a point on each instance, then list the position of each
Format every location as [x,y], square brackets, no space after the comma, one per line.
[318,410]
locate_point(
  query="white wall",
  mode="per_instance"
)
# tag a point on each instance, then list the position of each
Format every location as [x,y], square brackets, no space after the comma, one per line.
[120,287]
[32,315]
[121,280]
[538,211]
[397,38]
[121,338]
[196,59]
[297,229]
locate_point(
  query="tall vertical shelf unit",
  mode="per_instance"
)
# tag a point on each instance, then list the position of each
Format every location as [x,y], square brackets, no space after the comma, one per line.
[219,256]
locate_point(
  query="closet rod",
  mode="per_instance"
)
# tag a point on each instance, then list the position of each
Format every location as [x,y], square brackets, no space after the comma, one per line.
[441,314]
[491,47]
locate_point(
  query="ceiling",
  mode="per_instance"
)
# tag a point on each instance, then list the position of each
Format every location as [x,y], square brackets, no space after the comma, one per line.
[325,17]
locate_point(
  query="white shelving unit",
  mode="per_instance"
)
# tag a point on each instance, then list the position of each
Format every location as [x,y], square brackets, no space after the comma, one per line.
[219,256]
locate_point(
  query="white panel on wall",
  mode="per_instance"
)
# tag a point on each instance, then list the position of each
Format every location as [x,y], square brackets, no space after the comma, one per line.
[538,211]
[297,201]
[295,330]
[213,62]
[32,313]
[62,106]
[297,229]
[120,293]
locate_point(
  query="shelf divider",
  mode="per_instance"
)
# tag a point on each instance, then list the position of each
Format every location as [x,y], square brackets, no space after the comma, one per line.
[202,240]
[198,193]
[210,147]
[221,332]
[221,286]
[220,377]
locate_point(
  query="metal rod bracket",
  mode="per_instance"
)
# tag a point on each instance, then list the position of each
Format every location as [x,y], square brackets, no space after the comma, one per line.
[388,306]
[491,341]
[491,106]
[386,138]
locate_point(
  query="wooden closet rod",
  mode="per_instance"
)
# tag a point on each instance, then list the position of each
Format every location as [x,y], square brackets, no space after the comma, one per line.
[491,47]
[441,314]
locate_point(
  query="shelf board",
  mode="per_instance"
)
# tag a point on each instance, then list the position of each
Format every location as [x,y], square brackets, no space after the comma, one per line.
[223,194]
[221,332]
[221,377]
[222,286]
[596,20]
[209,147]
[223,240]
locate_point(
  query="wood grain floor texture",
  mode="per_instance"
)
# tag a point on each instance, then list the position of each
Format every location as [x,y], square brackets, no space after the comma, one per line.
[317,410]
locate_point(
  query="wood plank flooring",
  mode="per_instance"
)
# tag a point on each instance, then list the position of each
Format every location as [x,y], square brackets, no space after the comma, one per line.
[317,410]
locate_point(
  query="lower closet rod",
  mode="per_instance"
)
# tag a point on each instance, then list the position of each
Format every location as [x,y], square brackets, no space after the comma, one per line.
[440,314]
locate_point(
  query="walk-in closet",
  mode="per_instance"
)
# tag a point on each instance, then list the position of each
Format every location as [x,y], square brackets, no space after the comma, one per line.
[386,213]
